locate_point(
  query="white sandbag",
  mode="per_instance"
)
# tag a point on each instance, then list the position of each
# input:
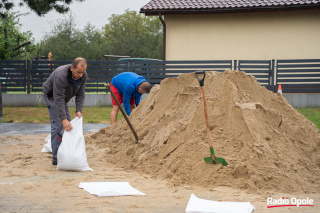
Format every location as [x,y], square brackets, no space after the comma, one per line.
[197,205]
[47,145]
[72,151]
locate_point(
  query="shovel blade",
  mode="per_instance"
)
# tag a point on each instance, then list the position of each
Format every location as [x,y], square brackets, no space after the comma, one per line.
[217,160]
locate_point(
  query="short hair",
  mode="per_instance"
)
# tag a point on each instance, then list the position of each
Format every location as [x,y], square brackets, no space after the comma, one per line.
[145,86]
[79,61]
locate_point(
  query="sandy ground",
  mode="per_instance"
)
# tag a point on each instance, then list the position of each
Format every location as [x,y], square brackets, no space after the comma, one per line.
[30,183]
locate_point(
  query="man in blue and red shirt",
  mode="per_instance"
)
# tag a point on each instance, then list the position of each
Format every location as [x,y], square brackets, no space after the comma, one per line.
[128,88]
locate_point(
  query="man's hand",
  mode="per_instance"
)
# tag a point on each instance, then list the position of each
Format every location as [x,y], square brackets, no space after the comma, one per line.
[66,125]
[79,114]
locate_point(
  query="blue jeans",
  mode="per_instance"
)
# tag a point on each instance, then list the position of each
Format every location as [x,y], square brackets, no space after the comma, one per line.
[56,126]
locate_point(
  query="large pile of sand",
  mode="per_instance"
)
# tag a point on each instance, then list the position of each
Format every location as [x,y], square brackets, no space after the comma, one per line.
[267,143]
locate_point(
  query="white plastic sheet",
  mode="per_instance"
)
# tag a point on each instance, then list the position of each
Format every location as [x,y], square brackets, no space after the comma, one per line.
[72,151]
[47,145]
[104,189]
[197,205]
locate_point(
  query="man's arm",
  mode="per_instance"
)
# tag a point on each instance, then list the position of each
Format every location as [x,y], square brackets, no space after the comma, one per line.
[59,90]
[128,90]
[137,100]
[81,96]
[126,103]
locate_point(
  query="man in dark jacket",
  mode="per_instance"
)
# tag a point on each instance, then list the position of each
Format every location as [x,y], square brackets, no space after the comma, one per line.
[64,83]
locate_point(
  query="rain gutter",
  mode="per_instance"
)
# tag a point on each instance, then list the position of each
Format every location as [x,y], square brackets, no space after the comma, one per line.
[164,36]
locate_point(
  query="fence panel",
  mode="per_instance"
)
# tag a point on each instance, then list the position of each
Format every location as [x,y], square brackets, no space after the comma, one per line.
[295,76]
[299,76]
[40,71]
[260,69]
[155,70]
[13,75]
[99,73]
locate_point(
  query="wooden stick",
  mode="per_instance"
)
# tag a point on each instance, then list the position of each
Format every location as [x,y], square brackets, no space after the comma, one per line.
[123,112]
[207,121]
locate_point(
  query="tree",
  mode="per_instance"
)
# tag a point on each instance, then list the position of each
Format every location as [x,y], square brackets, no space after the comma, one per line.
[128,34]
[67,42]
[13,42]
[39,7]
[134,35]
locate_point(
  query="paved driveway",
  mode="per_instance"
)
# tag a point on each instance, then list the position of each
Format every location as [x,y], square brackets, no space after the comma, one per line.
[7,129]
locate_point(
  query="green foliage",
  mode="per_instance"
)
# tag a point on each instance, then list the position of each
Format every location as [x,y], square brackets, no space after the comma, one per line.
[39,7]
[67,42]
[127,34]
[134,35]
[14,44]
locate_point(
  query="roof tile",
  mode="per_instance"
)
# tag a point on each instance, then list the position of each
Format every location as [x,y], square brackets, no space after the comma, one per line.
[185,5]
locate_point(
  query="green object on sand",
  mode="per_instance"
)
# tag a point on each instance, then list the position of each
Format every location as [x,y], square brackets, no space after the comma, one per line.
[217,160]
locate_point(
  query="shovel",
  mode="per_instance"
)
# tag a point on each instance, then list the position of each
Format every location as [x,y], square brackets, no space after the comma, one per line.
[212,159]
[123,112]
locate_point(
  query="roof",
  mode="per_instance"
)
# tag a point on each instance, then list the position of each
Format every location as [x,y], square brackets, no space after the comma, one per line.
[154,7]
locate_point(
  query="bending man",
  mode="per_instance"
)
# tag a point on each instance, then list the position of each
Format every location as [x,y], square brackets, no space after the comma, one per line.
[128,88]
[64,83]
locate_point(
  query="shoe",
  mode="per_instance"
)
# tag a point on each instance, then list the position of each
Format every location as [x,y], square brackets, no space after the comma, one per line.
[54,162]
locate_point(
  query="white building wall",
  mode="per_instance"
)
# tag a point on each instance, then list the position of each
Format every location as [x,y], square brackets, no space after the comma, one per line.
[254,35]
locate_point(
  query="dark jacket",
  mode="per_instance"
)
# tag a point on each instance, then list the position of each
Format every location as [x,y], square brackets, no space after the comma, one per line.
[60,87]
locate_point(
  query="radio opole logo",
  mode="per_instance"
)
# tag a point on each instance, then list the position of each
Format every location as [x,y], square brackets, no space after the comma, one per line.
[282,202]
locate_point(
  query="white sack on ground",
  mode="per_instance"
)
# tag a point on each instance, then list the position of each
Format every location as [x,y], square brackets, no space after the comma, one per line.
[47,145]
[104,189]
[197,205]
[72,151]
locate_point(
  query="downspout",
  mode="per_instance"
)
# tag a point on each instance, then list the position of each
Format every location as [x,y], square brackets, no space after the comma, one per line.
[164,36]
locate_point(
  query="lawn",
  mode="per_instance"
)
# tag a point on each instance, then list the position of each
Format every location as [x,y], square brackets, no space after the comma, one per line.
[312,114]
[41,115]
[100,114]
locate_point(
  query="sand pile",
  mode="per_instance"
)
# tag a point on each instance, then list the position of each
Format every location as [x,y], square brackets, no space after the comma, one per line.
[269,146]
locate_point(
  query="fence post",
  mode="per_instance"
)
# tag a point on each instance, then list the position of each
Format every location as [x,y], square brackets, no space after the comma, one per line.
[131,66]
[235,64]
[28,76]
[273,75]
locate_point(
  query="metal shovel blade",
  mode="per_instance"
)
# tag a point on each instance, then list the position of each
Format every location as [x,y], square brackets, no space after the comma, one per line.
[216,161]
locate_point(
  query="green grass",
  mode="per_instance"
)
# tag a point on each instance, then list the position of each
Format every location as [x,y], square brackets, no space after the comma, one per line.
[312,114]
[41,115]
[100,114]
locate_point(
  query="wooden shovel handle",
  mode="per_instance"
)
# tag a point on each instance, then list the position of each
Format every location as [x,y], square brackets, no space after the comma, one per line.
[206,117]
[201,82]
[123,112]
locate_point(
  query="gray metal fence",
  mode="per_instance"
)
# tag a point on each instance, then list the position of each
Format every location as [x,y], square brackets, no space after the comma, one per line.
[262,70]
[295,76]
[298,76]
[13,75]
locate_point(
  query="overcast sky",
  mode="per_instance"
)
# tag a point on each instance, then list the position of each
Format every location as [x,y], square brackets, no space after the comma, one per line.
[96,12]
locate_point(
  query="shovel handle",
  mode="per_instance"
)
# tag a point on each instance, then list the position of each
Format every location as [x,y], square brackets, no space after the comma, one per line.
[123,112]
[201,81]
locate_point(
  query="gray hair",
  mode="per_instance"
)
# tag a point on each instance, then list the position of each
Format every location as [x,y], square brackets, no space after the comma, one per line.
[79,61]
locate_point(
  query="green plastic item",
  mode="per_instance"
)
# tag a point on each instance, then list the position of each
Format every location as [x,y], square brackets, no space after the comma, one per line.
[217,160]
